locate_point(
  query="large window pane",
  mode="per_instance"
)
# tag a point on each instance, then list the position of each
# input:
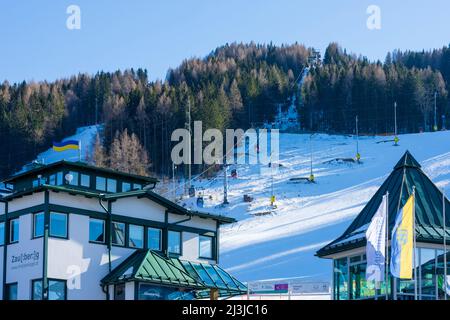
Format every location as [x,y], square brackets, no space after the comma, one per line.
[52,180]
[11,291]
[85,180]
[206,247]
[341,279]
[14,231]
[38,225]
[118,234]
[428,272]
[360,287]
[136,236]
[174,242]
[100,183]
[2,233]
[441,274]
[154,239]
[58,225]
[112,185]
[97,230]
[56,290]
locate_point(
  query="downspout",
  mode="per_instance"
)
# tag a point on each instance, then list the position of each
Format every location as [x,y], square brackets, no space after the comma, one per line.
[109,233]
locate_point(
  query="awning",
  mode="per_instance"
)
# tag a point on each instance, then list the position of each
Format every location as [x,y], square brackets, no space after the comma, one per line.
[152,267]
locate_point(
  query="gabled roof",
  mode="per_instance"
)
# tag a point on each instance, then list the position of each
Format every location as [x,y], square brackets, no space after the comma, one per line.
[80,165]
[171,206]
[149,266]
[429,208]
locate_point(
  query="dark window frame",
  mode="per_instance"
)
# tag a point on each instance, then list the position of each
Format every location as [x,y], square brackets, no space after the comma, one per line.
[10,241]
[147,246]
[104,231]
[33,281]
[66,237]
[125,240]
[175,254]
[128,238]
[6,295]
[34,214]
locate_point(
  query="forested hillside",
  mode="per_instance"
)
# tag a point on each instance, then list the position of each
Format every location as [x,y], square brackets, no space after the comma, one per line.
[237,85]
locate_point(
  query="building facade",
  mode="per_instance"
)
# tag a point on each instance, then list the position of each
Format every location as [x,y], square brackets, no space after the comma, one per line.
[431,254]
[67,228]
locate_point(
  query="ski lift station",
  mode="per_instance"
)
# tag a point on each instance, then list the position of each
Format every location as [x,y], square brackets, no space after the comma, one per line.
[72,231]
[430,281]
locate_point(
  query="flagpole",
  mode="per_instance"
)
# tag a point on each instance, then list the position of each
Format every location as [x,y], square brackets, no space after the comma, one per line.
[386,267]
[445,244]
[414,243]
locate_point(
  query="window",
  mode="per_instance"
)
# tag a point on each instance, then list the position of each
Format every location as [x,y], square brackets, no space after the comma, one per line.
[56,289]
[52,180]
[38,223]
[111,185]
[119,291]
[85,180]
[35,183]
[100,183]
[58,225]
[11,291]
[2,233]
[97,230]
[74,181]
[118,233]
[206,247]
[59,179]
[14,231]
[137,186]
[126,186]
[154,239]
[341,290]
[136,236]
[174,242]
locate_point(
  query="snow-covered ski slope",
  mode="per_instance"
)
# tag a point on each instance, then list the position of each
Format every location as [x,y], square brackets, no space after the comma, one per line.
[282,243]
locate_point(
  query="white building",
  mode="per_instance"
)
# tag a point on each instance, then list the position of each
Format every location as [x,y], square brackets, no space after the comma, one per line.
[73,231]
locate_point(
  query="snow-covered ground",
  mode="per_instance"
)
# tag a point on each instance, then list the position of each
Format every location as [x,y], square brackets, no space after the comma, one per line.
[282,243]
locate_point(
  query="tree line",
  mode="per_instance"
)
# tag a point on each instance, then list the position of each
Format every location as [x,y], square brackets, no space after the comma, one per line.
[235,86]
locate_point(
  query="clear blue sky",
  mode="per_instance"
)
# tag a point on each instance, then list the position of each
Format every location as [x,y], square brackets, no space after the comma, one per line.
[119,34]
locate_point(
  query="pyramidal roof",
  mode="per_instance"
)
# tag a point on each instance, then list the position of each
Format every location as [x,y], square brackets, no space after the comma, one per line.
[406,175]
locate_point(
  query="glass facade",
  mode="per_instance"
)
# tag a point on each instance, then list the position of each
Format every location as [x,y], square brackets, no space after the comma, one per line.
[85,180]
[349,281]
[11,291]
[56,290]
[154,292]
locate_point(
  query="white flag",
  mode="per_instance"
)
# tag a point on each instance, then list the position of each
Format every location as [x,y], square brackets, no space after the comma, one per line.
[376,245]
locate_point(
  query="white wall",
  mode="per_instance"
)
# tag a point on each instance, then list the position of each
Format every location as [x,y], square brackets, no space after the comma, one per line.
[24,259]
[26,202]
[81,263]
[139,208]
[75,201]
[195,222]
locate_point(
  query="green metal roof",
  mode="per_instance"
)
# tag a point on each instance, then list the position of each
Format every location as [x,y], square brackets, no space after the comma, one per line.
[150,266]
[80,165]
[429,208]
